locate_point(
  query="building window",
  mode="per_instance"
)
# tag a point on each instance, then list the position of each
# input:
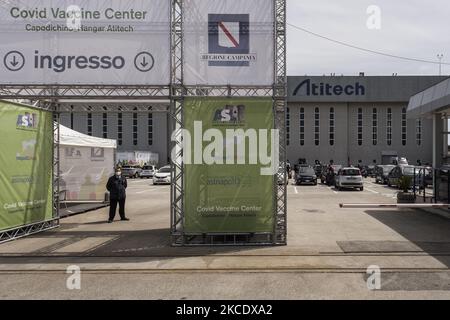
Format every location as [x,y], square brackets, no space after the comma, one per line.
[360,126]
[389,127]
[332,123]
[150,127]
[119,129]
[374,126]
[419,132]
[135,127]
[288,126]
[317,126]
[302,126]
[105,125]
[404,126]
[89,124]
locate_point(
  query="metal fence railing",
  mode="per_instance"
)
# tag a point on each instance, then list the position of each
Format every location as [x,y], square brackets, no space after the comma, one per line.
[431,185]
[441,188]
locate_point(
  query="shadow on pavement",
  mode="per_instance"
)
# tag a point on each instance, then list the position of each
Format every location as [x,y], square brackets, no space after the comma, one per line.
[130,243]
[423,233]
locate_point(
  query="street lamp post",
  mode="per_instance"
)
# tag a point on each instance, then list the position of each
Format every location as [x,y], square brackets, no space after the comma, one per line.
[440,57]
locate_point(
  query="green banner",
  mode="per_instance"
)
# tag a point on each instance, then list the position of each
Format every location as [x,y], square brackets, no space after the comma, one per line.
[225,191]
[26,140]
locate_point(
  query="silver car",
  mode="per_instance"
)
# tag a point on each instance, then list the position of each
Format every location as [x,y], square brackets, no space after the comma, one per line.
[349,178]
[162,176]
[147,172]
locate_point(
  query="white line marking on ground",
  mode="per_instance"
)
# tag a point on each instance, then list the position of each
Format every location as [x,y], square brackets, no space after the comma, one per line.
[373,191]
[295,189]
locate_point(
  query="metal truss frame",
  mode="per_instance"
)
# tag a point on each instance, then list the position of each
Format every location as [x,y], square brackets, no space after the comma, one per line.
[280,105]
[23,231]
[49,97]
[29,229]
[277,92]
[96,107]
[89,92]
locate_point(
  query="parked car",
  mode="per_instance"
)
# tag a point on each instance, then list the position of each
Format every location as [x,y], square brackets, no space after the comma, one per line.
[402,170]
[382,173]
[280,177]
[306,175]
[402,161]
[318,168]
[131,171]
[370,169]
[162,176]
[147,172]
[428,176]
[329,177]
[443,183]
[349,178]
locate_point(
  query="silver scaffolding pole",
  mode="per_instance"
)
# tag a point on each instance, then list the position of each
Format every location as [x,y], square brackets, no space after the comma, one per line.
[278,92]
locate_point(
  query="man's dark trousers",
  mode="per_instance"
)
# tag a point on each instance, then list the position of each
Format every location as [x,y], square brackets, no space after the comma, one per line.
[113,207]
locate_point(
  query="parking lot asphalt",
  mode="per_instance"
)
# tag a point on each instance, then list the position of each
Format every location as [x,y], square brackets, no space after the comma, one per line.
[329,250]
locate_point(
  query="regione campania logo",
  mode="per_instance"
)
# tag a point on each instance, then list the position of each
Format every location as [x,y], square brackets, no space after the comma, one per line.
[229,41]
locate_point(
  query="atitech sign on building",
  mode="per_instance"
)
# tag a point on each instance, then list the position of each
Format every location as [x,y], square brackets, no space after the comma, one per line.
[85,42]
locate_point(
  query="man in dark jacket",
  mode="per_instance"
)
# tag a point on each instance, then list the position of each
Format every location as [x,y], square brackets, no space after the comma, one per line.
[116,186]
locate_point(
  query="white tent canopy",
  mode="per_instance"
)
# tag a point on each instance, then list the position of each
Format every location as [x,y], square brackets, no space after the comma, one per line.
[69,137]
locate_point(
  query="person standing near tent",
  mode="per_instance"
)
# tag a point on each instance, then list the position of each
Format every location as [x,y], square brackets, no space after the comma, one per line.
[117,185]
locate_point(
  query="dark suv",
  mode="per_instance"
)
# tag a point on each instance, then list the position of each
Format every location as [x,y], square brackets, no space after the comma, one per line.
[398,172]
[382,173]
[305,175]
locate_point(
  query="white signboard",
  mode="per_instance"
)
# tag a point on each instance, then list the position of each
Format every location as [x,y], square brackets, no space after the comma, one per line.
[85,42]
[229,42]
[85,172]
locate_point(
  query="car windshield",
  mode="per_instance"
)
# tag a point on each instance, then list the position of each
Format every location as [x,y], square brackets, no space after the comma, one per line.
[164,170]
[147,168]
[309,171]
[388,169]
[409,171]
[351,172]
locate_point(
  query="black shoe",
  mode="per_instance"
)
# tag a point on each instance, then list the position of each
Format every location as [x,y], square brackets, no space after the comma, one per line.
[124,219]
[110,221]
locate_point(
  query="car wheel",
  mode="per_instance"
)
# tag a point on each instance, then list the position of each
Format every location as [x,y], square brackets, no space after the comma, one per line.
[361,189]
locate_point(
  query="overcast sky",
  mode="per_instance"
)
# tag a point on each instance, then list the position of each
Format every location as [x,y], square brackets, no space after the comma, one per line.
[412,28]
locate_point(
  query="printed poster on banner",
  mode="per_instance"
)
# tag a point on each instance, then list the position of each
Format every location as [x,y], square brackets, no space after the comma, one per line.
[26,158]
[96,42]
[229,42]
[229,164]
